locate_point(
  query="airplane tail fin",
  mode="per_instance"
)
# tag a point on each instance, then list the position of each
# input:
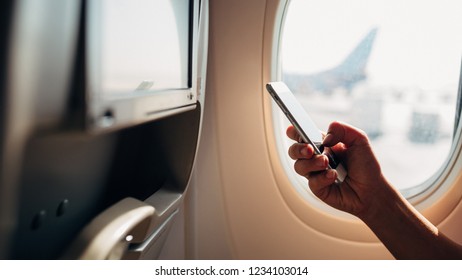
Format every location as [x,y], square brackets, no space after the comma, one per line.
[357,60]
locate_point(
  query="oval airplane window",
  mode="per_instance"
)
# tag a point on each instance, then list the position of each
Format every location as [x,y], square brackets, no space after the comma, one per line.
[389,67]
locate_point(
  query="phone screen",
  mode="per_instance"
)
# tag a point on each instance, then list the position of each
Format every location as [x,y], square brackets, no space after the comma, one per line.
[296,114]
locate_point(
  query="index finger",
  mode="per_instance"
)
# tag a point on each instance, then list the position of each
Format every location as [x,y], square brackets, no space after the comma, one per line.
[292,133]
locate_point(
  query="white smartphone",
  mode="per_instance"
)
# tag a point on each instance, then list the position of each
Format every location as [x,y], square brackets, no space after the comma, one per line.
[304,125]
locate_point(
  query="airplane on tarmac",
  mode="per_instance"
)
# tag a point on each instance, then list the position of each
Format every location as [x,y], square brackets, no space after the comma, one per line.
[346,75]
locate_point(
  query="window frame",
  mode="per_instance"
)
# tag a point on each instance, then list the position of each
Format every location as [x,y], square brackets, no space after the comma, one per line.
[436,198]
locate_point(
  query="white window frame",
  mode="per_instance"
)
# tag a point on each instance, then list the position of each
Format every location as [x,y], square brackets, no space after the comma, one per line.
[436,198]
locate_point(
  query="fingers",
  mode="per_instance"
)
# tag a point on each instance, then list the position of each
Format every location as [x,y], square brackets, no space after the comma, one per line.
[301,150]
[305,167]
[347,134]
[306,159]
[292,133]
[337,132]
[319,183]
[311,166]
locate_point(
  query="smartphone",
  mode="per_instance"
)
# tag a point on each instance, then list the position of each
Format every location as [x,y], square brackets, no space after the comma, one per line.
[304,125]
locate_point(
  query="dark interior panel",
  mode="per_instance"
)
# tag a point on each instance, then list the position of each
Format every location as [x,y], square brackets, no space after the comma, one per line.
[61,174]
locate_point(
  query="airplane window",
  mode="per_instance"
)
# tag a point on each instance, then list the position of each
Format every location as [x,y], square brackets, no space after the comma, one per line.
[389,67]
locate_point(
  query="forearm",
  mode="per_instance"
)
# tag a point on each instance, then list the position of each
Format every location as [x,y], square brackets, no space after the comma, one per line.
[404,231]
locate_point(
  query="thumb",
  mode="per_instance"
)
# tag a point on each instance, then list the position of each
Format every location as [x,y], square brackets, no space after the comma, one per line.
[346,134]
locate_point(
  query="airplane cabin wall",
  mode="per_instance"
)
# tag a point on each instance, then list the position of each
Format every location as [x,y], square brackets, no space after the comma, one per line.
[240,202]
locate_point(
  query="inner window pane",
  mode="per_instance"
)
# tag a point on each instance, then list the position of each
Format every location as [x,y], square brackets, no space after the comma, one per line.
[389,67]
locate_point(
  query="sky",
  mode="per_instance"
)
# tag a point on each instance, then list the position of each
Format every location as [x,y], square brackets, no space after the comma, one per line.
[419,43]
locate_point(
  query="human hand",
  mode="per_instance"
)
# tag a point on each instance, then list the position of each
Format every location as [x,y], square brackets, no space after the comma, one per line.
[364,180]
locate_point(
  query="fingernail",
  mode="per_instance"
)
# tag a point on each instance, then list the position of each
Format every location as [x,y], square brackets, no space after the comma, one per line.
[330,174]
[304,151]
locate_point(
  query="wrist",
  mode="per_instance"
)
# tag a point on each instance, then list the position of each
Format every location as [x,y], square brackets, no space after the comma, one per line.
[381,201]
[400,227]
